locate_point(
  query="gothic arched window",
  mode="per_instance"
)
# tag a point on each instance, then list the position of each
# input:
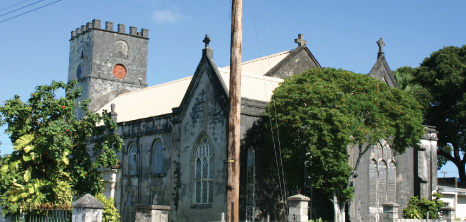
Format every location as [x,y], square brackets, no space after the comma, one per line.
[373,183]
[382,182]
[382,175]
[121,49]
[157,157]
[391,185]
[132,159]
[204,172]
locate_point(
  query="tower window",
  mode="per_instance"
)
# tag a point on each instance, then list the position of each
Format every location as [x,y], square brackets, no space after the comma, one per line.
[121,49]
[79,71]
[119,71]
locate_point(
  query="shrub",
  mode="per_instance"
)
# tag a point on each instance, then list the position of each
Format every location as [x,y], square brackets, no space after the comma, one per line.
[417,209]
[110,213]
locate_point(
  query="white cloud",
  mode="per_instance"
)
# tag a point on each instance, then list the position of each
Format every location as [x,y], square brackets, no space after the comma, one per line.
[168,16]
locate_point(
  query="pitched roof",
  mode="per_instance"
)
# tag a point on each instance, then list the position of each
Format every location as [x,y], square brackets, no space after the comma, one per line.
[255,87]
[151,101]
[261,66]
[160,99]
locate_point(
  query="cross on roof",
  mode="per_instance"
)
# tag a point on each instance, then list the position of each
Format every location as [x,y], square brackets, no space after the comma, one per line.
[381,44]
[300,40]
[206,40]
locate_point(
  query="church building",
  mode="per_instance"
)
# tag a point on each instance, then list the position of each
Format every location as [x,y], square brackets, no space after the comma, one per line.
[175,134]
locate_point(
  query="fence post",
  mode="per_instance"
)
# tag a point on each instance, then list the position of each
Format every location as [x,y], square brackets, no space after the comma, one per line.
[298,206]
[87,209]
[390,212]
[448,214]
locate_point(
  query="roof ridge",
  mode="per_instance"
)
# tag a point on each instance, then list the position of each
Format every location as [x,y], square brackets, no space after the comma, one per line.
[253,76]
[156,86]
[262,58]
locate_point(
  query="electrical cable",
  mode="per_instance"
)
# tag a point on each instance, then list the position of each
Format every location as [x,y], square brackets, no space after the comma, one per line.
[30,11]
[281,177]
[21,8]
[1,9]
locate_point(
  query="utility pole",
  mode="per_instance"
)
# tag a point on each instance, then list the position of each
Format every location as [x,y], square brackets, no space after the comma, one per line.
[444,172]
[232,203]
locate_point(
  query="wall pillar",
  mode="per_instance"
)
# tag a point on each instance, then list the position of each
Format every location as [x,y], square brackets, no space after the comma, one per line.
[298,207]
[390,212]
[448,214]
[8,218]
[87,209]
[151,213]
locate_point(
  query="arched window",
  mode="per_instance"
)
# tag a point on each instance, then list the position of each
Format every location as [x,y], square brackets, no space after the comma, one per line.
[132,159]
[373,183]
[250,186]
[204,172]
[391,185]
[121,49]
[382,182]
[157,157]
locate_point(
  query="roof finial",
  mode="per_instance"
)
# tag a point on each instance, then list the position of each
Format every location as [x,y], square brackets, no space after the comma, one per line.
[381,44]
[206,40]
[300,40]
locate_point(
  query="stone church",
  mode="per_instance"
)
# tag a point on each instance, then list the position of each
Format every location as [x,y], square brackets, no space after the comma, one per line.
[175,133]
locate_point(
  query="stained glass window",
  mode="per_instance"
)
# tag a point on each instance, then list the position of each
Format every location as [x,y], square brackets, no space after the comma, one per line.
[204,172]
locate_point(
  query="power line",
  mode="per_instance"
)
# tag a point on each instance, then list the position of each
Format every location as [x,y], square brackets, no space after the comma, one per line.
[30,11]
[13,5]
[21,8]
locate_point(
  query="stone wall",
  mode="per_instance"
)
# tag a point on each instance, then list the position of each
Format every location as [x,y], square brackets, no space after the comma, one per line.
[145,186]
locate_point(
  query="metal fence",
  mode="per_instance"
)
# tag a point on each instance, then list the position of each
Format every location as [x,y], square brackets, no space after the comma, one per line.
[44,213]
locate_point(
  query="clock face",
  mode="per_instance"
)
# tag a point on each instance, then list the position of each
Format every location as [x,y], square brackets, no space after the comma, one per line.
[119,71]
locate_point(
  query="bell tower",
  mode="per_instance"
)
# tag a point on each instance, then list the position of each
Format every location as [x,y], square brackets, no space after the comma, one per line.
[107,63]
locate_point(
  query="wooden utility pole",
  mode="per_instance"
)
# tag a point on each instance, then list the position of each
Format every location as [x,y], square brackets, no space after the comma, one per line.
[234,122]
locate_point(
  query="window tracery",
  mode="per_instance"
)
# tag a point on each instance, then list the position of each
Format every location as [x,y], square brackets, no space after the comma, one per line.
[204,172]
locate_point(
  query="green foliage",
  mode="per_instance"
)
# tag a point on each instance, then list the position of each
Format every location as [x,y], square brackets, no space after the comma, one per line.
[405,79]
[443,75]
[110,213]
[51,160]
[321,113]
[417,209]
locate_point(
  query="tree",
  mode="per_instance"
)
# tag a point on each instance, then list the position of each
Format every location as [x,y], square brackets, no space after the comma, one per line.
[52,159]
[443,75]
[324,113]
[405,79]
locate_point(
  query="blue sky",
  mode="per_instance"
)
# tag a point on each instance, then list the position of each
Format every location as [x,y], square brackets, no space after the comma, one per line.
[340,33]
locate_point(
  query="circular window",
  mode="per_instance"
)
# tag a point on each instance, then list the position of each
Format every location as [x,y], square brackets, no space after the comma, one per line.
[119,71]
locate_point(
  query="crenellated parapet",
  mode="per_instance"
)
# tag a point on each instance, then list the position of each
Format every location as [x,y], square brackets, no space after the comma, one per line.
[96,25]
